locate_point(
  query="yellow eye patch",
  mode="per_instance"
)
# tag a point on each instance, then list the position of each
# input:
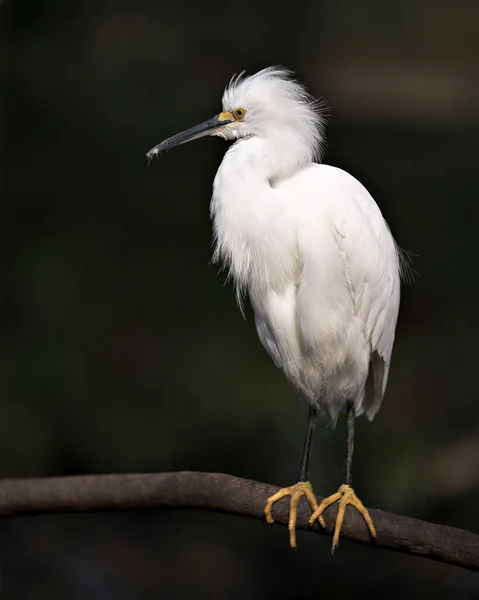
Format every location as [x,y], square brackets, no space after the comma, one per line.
[236,115]
[226,116]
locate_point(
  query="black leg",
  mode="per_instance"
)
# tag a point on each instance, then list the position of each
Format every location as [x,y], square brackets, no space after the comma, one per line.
[345,495]
[350,444]
[304,471]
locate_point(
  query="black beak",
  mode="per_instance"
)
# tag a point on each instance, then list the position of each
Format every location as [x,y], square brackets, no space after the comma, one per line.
[201,130]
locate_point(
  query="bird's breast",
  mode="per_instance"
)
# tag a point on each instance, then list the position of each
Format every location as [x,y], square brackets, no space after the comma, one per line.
[255,234]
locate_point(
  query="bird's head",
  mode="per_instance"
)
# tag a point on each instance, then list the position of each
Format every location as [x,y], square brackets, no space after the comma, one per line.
[268,104]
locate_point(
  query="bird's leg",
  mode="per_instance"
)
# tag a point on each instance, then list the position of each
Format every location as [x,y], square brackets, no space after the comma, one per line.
[308,444]
[348,479]
[345,495]
[301,488]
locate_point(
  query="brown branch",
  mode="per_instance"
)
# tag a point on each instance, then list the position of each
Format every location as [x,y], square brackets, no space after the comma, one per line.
[225,493]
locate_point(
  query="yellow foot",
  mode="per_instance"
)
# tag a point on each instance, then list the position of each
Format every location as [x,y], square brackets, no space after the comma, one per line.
[345,495]
[302,488]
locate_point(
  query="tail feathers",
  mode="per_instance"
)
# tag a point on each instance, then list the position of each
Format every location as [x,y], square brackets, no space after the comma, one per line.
[375,385]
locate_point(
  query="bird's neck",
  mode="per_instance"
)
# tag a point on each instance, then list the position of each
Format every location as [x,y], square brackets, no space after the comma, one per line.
[273,157]
[246,212]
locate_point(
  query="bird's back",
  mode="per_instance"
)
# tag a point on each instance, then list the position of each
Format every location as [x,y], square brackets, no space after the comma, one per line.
[331,325]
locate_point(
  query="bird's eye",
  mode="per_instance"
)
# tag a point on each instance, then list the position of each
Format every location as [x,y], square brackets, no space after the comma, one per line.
[239,113]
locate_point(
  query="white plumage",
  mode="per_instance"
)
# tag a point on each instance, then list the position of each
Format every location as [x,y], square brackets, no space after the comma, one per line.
[308,244]
[310,247]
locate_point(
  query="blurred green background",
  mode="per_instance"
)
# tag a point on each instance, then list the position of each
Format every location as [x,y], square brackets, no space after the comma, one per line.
[123,350]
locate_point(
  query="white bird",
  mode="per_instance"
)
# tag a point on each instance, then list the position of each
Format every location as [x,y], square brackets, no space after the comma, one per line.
[310,247]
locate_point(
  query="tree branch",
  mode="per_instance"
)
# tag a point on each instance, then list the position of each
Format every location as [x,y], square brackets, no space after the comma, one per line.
[225,493]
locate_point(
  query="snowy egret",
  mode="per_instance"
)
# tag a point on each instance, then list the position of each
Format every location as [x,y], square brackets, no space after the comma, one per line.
[310,247]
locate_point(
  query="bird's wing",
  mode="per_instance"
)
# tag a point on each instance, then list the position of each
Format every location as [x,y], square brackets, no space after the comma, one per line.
[371,266]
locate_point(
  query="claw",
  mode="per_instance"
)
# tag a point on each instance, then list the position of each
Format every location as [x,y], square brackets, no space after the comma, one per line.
[345,495]
[302,488]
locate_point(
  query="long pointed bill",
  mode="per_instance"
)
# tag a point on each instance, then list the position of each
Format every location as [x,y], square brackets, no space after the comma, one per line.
[209,127]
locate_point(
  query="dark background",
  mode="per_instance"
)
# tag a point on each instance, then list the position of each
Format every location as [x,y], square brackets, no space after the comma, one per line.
[122,349]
